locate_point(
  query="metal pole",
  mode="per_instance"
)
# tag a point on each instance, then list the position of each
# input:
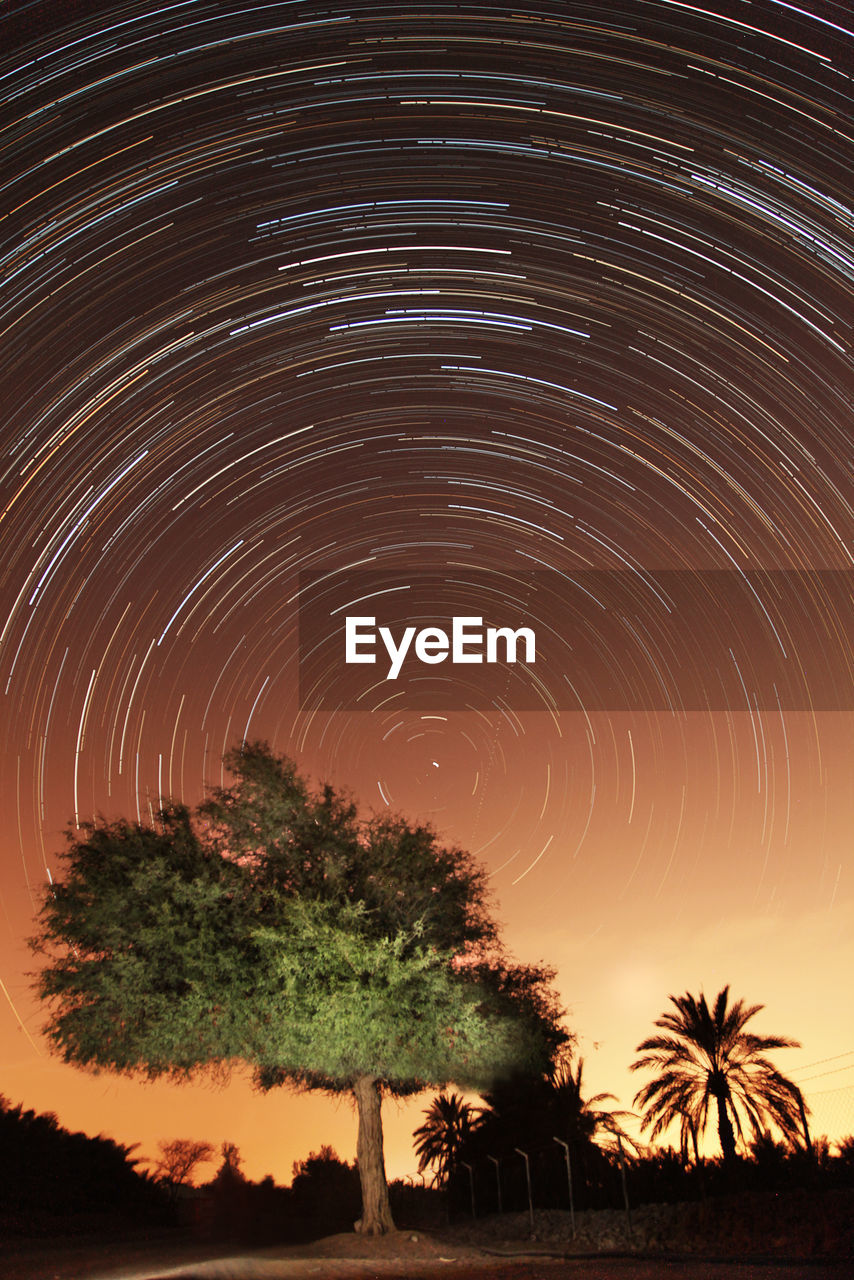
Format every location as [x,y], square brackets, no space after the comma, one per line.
[524,1156]
[471,1185]
[565,1146]
[497,1164]
[625,1188]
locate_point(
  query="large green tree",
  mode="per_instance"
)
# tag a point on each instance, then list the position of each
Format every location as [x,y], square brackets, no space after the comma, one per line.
[707,1055]
[274,927]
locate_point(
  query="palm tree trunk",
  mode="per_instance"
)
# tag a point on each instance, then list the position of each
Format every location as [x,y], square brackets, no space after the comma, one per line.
[376,1217]
[725,1130]
[803,1114]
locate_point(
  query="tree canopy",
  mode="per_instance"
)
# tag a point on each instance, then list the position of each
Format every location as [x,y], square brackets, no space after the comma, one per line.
[275,927]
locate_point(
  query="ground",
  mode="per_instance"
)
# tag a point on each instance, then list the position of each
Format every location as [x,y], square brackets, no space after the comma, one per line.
[401,1256]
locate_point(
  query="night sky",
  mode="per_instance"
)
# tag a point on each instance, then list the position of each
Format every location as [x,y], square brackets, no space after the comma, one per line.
[297,292]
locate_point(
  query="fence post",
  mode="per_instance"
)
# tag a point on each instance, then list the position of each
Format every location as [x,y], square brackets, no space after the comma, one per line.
[625,1188]
[565,1146]
[471,1186]
[524,1156]
[497,1164]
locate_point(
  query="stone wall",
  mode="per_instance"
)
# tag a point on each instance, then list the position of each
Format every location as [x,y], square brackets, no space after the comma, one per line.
[791,1224]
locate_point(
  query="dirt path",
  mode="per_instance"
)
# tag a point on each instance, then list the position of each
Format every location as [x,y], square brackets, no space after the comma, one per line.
[402,1256]
[502,1269]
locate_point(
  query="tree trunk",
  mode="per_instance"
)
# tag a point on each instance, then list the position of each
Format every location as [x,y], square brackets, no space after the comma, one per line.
[376,1217]
[725,1130]
[807,1139]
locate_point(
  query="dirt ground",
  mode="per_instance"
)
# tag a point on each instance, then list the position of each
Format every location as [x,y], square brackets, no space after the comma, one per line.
[402,1256]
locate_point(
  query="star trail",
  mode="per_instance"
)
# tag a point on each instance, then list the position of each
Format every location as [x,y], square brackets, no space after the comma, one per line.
[300,292]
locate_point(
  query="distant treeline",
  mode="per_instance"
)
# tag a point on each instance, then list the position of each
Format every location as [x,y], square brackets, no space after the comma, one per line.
[54,1183]
[48,1173]
[324,1198]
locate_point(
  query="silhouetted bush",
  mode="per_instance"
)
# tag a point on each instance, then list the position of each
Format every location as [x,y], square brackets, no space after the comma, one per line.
[417,1207]
[326,1192]
[48,1173]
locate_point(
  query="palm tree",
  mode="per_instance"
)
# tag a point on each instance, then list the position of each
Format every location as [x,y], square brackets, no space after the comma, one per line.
[708,1054]
[584,1118]
[449,1124]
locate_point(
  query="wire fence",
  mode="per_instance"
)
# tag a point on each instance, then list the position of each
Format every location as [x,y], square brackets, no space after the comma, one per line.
[832,1112]
[553,1174]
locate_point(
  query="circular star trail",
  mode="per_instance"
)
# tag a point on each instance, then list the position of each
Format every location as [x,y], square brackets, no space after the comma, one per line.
[295,288]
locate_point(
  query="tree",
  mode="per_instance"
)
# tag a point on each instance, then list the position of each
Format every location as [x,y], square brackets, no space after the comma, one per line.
[320,1166]
[538,1108]
[179,1159]
[46,1169]
[324,1184]
[229,1172]
[707,1054]
[529,1112]
[442,1138]
[583,1119]
[274,928]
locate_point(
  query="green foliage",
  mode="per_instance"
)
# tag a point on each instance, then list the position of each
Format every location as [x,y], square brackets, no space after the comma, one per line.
[275,928]
[296,845]
[140,936]
[384,1004]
